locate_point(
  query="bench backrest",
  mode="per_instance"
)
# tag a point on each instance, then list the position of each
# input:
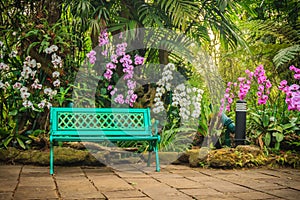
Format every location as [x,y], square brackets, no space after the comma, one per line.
[105,121]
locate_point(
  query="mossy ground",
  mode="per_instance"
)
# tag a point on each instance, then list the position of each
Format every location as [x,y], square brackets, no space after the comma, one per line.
[228,158]
[241,157]
[63,156]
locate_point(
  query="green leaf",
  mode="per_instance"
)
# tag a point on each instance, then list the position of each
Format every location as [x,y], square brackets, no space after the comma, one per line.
[294,120]
[276,129]
[257,120]
[279,136]
[32,33]
[22,109]
[277,145]
[222,5]
[288,126]
[38,132]
[267,139]
[132,24]
[33,44]
[28,141]
[7,140]
[265,120]
[43,46]
[103,91]
[258,133]
[21,143]
[13,113]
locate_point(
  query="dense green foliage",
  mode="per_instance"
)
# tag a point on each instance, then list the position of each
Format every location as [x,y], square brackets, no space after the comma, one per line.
[237,35]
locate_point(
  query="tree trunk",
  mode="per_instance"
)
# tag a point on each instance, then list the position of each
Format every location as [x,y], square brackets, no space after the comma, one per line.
[163,56]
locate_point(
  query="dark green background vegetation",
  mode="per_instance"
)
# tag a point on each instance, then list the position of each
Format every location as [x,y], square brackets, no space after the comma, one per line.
[238,35]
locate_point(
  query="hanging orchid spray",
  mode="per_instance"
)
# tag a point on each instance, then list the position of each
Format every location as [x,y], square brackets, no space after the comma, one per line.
[118,57]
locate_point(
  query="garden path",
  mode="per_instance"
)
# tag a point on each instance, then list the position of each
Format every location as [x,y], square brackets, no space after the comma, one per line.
[137,182]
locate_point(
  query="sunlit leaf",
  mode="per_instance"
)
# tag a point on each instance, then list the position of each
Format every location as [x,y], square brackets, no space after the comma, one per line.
[21,143]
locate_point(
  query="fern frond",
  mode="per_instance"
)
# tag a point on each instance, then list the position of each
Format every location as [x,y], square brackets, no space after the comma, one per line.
[283,32]
[285,55]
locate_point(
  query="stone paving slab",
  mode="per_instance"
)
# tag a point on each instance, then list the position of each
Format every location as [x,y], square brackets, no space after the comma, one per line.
[110,183]
[253,195]
[35,192]
[201,192]
[6,195]
[143,183]
[125,194]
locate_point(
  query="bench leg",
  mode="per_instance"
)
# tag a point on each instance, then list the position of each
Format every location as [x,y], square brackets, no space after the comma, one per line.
[51,158]
[157,158]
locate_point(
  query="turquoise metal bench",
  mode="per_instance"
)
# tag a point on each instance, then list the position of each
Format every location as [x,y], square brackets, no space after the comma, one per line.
[103,124]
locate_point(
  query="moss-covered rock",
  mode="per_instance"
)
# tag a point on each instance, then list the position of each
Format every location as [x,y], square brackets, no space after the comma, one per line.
[241,156]
[292,159]
[62,156]
[182,158]
[197,156]
[39,157]
[288,158]
[222,158]
[9,154]
[23,157]
[253,150]
[67,156]
[244,156]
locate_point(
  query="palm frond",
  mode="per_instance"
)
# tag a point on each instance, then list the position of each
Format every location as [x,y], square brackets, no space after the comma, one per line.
[169,41]
[229,33]
[181,12]
[102,12]
[150,15]
[200,33]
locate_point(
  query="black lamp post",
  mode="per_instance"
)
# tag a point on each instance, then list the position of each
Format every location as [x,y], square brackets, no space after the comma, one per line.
[240,122]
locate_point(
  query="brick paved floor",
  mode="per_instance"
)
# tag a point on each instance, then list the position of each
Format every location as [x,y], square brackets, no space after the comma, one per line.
[136,182]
